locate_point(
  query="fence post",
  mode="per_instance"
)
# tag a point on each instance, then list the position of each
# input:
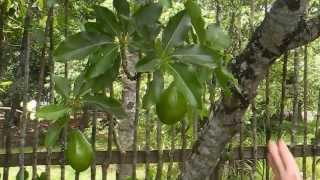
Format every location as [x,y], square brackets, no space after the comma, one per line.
[147,136]
[305,112]
[135,126]
[93,143]
[316,141]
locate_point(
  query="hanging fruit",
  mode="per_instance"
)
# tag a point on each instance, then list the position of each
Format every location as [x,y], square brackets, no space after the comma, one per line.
[79,151]
[172,106]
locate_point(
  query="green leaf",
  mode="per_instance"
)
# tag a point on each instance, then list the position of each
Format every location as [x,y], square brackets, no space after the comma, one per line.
[92,27]
[41,4]
[198,55]
[62,86]
[106,104]
[158,80]
[224,77]
[144,38]
[53,112]
[107,19]
[80,45]
[217,38]
[187,83]
[198,23]
[176,31]
[5,83]
[100,82]
[147,15]
[105,61]
[122,7]
[204,74]
[22,8]
[154,90]
[54,131]
[147,25]
[81,87]
[166,3]
[148,64]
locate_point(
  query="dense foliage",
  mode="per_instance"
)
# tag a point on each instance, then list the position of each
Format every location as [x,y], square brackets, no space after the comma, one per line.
[180,51]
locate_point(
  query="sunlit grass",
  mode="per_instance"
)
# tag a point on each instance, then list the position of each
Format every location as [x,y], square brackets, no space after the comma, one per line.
[70,173]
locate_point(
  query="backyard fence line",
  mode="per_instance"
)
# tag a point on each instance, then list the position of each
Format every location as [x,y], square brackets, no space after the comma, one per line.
[167,156]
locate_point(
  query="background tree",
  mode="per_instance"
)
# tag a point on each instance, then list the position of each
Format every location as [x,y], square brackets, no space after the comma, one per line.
[190,77]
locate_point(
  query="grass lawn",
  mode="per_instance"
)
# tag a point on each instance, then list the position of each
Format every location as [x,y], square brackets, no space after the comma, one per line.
[70,173]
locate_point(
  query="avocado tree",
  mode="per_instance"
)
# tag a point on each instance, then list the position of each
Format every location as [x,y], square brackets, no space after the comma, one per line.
[284,27]
[185,49]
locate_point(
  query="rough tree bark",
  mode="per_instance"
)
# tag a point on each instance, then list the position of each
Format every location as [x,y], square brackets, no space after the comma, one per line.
[283,28]
[126,126]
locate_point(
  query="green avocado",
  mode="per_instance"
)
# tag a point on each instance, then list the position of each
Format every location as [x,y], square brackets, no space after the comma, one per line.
[79,151]
[172,106]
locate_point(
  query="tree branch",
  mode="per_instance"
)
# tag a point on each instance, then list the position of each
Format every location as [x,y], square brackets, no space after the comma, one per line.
[308,33]
[277,33]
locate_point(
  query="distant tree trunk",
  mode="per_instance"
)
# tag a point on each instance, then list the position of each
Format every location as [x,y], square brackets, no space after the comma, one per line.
[3,9]
[40,95]
[23,90]
[2,59]
[126,126]
[283,29]
[51,91]
[18,91]
[295,118]
[2,14]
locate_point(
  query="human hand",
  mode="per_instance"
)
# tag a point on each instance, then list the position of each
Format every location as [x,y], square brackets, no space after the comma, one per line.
[283,164]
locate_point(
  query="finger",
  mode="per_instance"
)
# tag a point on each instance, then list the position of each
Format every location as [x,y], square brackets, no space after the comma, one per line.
[273,167]
[286,156]
[274,153]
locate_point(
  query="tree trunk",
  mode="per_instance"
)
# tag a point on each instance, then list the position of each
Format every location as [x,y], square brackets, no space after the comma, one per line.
[3,17]
[24,90]
[40,95]
[126,126]
[2,59]
[282,29]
